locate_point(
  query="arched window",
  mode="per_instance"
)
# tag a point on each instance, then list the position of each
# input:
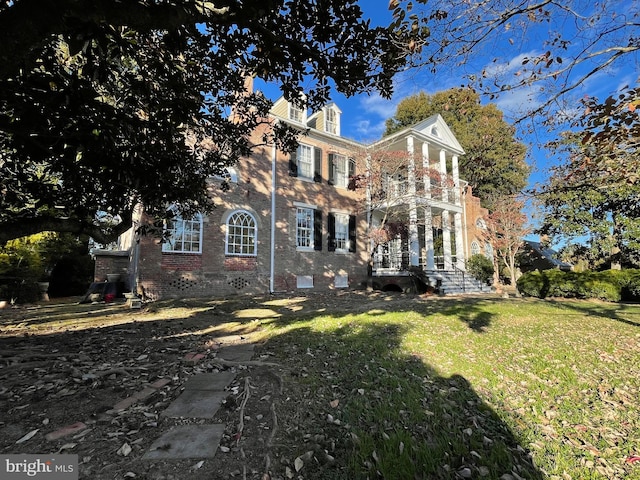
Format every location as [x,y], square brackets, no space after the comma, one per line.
[183,236]
[475,248]
[241,234]
[480,223]
[488,251]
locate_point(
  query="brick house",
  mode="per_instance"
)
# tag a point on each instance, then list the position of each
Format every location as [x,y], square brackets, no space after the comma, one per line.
[294,220]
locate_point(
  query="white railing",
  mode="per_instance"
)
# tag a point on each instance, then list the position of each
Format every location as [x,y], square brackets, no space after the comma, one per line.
[398,189]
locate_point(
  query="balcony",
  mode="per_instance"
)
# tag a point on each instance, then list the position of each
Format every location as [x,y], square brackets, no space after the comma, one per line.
[399,191]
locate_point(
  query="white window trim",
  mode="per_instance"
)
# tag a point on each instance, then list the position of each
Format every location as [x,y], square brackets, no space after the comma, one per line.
[342,216]
[311,246]
[343,182]
[301,176]
[336,121]
[255,236]
[475,246]
[293,108]
[200,220]
[230,174]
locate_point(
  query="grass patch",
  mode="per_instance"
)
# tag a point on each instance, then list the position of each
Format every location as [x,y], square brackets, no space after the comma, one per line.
[467,389]
[388,386]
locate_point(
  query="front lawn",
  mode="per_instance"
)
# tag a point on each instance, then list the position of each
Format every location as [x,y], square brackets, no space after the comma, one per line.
[343,386]
[464,388]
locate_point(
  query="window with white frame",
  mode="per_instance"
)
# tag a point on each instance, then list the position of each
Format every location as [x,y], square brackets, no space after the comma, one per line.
[341,169]
[296,113]
[331,121]
[488,251]
[305,161]
[342,232]
[304,227]
[475,248]
[241,234]
[183,236]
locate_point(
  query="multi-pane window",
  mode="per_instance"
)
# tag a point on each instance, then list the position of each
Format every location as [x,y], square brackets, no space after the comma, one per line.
[341,169]
[241,234]
[331,121]
[305,161]
[488,251]
[304,227]
[342,232]
[340,166]
[183,236]
[296,113]
[475,248]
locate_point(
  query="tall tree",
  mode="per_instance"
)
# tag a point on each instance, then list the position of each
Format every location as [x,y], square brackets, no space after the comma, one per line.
[494,163]
[594,194]
[547,48]
[105,104]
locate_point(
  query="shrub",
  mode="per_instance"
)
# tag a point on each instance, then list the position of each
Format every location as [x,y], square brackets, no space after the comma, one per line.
[20,290]
[603,291]
[631,286]
[480,267]
[609,285]
[533,284]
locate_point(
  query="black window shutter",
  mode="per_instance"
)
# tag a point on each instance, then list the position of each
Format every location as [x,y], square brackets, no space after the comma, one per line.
[317,230]
[352,174]
[352,233]
[317,170]
[331,168]
[293,164]
[331,244]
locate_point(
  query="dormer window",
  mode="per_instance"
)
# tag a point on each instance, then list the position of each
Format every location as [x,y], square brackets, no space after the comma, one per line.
[296,113]
[332,120]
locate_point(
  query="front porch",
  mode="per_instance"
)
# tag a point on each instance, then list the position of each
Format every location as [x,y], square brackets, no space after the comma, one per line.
[402,277]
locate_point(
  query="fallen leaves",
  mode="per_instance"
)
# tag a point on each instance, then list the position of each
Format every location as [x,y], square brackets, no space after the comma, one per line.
[124,450]
[28,436]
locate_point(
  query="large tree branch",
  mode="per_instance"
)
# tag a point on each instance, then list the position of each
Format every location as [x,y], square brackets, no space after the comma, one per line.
[21,227]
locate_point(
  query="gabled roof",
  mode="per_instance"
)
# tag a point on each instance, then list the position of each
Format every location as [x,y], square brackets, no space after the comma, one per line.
[433,130]
[548,254]
[436,128]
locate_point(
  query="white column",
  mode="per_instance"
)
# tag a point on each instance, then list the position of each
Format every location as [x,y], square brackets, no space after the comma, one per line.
[428,216]
[460,256]
[426,177]
[428,238]
[443,175]
[456,178]
[414,242]
[446,239]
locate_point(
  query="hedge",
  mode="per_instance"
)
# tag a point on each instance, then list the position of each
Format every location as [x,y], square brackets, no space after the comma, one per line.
[609,285]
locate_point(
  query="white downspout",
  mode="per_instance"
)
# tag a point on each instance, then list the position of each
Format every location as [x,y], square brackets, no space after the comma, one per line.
[274,152]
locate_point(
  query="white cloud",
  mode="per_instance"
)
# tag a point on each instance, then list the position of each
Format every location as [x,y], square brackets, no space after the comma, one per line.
[376,104]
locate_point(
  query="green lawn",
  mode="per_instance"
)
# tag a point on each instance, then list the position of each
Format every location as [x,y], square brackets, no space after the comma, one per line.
[450,388]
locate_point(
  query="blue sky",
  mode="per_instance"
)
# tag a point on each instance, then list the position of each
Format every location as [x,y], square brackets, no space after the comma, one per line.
[363,116]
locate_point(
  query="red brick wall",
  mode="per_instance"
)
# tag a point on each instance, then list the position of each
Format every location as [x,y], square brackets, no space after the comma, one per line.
[474,211]
[181,261]
[110,263]
[212,273]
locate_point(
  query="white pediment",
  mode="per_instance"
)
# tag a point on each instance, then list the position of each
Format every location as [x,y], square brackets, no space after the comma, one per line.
[437,129]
